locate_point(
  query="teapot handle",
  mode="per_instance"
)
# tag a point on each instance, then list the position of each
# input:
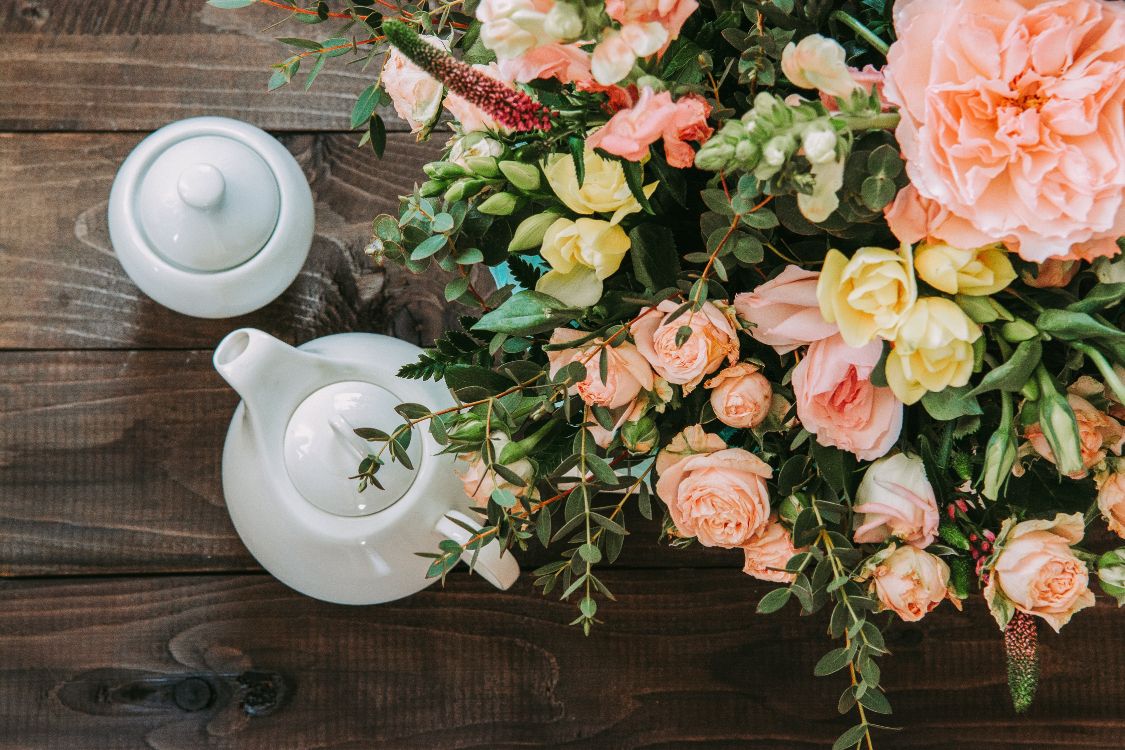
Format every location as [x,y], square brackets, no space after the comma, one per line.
[499,569]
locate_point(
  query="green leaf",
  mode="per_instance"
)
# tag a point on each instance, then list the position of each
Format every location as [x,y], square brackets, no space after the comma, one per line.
[590,553]
[543,526]
[609,525]
[1099,298]
[773,601]
[634,178]
[371,434]
[377,133]
[1013,374]
[230,4]
[877,192]
[1073,326]
[874,700]
[503,498]
[653,253]
[458,377]
[365,105]
[832,662]
[884,162]
[850,738]
[429,246]
[834,465]
[951,403]
[600,469]
[525,312]
[301,43]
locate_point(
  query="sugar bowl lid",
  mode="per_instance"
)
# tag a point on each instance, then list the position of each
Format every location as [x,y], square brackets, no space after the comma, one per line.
[211,217]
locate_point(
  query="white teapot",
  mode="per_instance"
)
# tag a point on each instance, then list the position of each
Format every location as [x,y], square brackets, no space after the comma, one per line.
[291,449]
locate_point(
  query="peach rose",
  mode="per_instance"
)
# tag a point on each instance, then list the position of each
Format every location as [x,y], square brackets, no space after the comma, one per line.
[567,63]
[626,373]
[712,340]
[630,132]
[740,395]
[837,402]
[896,500]
[1011,118]
[720,498]
[1097,433]
[768,552]
[512,27]
[415,94]
[910,582]
[480,482]
[1111,502]
[1038,573]
[784,311]
[670,14]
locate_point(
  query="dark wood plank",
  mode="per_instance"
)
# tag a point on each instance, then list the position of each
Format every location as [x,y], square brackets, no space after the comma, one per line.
[110,463]
[62,287]
[140,64]
[240,662]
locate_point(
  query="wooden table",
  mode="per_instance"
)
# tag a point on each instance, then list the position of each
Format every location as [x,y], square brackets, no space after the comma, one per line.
[132,617]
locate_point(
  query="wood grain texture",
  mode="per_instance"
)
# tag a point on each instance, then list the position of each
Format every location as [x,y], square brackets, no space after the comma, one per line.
[110,463]
[140,64]
[240,662]
[62,287]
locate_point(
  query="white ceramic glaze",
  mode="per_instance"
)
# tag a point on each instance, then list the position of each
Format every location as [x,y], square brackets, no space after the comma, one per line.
[289,452]
[211,217]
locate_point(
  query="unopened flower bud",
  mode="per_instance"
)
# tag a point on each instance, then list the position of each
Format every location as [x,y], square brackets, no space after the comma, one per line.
[498,204]
[430,188]
[1018,330]
[485,166]
[1056,419]
[789,509]
[819,143]
[529,233]
[1111,574]
[464,188]
[999,458]
[640,436]
[523,176]
[443,170]
[777,150]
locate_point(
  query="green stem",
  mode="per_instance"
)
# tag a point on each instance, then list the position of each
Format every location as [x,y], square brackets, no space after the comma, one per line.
[864,33]
[1112,381]
[883,121]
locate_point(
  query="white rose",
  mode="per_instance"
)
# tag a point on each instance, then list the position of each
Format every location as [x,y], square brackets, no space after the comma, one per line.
[416,96]
[819,143]
[474,145]
[563,22]
[896,500]
[512,27]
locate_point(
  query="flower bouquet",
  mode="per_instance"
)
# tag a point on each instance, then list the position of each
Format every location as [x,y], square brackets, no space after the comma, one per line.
[832,283]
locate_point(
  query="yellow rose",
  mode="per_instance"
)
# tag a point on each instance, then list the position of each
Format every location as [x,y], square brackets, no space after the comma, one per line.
[581,253]
[982,271]
[867,295]
[603,191]
[933,349]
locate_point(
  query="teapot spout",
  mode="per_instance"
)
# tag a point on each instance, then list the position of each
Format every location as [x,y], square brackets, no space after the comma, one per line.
[260,367]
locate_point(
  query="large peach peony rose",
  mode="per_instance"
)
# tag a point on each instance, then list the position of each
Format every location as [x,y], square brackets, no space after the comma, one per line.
[909,582]
[720,497]
[767,553]
[626,371]
[712,340]
[1011,118]
[1037,571]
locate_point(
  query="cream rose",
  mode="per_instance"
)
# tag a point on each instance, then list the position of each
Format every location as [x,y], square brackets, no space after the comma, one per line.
[933,349]
[837,402]
[817,62]
[895,500]
[1098,433]
[740,395]
[720,498]
[512,27]
[480,482]
[909,582]
[1036,570]
[868,294]
[582,254]
[768,552]
[627,373]
[713,339]
[1111,502]
[603,191]
[415,94]
[784,312]
[977,272]
[474,145]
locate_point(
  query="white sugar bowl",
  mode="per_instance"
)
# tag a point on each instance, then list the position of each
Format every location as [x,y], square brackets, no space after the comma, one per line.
[211,217]
[291,449]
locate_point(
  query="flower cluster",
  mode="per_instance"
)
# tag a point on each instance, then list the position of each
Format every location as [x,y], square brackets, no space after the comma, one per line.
[837,286]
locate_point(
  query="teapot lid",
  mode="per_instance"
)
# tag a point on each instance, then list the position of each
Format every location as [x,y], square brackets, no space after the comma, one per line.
[208,203]
[322,450]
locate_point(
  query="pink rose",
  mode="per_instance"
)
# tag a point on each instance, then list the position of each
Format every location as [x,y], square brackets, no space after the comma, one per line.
[784,311]
[415,94]
[1011,118]
[1037,571]
[630,132]
[720,498]
[1111,502]
[1097,433]
[768,552]
[910,582]
[896,500]
[627,373]
[740,396]
[671,14]
[712,340]
[837,402]
[567,63]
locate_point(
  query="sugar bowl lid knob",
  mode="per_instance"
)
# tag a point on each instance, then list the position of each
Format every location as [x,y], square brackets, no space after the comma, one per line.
[211,217]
